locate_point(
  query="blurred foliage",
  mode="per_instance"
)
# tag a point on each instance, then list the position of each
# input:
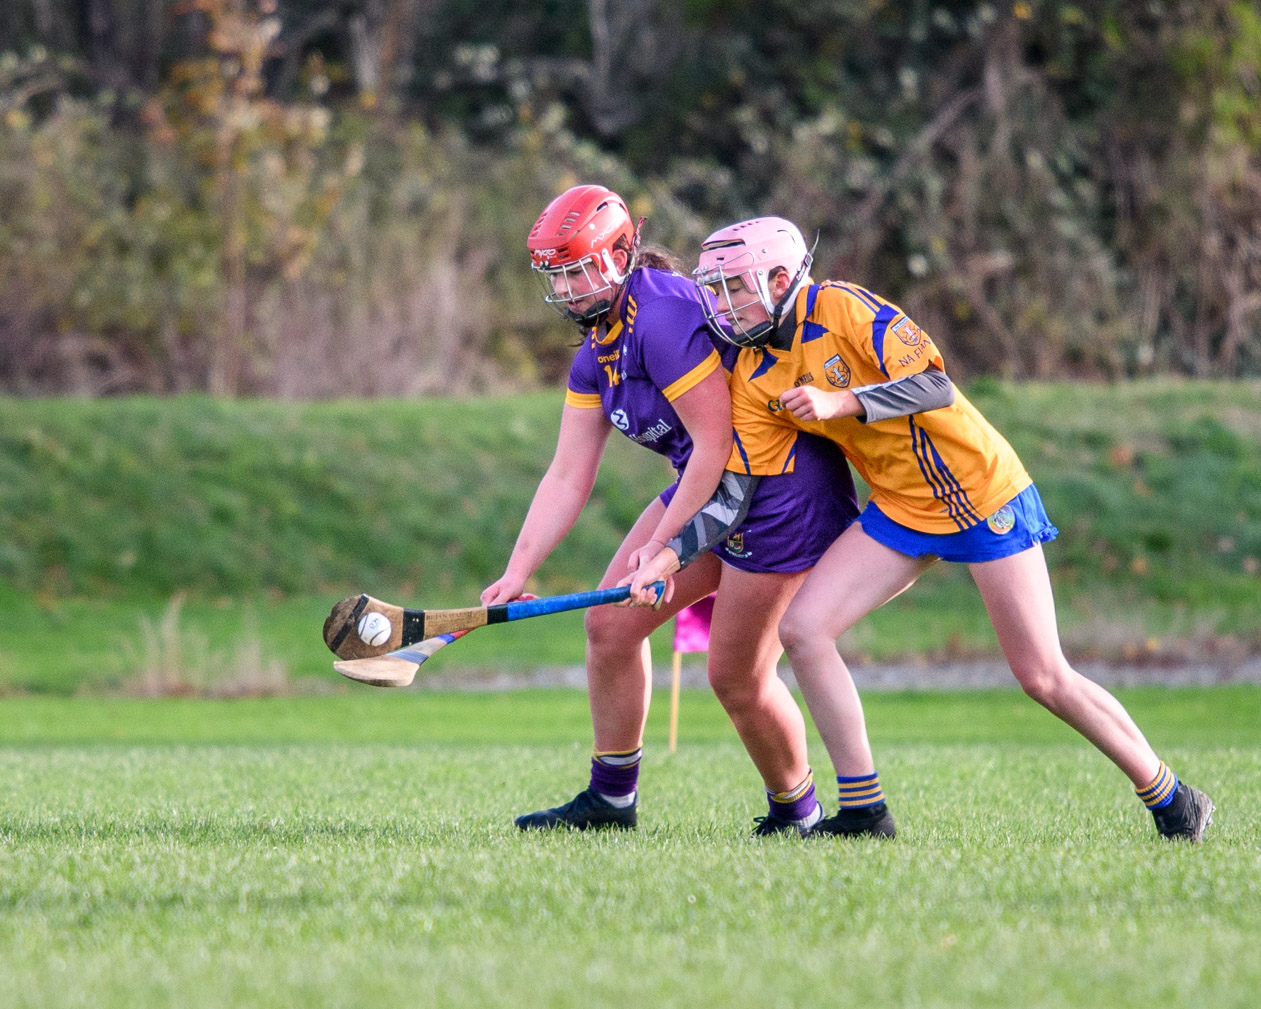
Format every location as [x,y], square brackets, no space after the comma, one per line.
[317,197]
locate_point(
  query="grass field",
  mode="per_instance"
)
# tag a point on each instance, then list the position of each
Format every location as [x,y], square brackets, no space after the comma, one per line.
[358,851]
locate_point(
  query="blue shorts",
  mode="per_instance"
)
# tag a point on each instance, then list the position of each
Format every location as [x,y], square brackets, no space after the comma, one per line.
[794,517]
[1018,525]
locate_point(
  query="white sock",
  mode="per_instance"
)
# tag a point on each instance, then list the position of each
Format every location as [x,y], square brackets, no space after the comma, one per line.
[618,801]
[812,819]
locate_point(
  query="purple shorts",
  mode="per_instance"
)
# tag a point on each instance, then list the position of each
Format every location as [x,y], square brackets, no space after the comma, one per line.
[794,517]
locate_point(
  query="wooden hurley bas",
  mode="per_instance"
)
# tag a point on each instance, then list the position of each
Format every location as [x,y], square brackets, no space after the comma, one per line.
[397,668]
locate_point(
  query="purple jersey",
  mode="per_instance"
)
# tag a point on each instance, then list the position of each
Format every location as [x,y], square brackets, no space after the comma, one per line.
[657,349]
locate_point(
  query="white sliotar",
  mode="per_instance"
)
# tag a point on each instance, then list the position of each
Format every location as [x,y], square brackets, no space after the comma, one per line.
[374,629]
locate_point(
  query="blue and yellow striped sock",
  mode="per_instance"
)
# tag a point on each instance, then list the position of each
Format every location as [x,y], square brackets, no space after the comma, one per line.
[1158,793]
[860,792]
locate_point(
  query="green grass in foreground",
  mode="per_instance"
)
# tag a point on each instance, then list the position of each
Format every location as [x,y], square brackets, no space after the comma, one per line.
[359,852]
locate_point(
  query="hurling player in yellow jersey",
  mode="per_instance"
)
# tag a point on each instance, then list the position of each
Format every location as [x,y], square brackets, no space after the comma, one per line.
[835,360]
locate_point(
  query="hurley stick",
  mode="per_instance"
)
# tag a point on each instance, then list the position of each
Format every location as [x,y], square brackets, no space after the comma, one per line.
[360,627]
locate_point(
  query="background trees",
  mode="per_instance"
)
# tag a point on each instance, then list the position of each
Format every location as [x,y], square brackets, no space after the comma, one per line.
[316,197]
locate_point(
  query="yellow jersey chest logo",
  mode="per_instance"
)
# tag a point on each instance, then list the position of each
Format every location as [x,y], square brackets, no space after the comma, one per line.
[837,371]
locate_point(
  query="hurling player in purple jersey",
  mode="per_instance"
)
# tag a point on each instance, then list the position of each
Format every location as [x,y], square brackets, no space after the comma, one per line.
[648,369]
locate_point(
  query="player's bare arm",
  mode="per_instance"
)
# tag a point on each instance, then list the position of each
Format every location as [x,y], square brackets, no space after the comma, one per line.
[558,501]
[705,411]
[721,514]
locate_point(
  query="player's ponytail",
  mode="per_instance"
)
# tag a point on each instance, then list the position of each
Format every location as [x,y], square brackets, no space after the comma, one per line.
[656,257]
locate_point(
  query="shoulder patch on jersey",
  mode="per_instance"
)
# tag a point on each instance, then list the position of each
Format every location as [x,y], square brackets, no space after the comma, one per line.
[906,331]
[837,371]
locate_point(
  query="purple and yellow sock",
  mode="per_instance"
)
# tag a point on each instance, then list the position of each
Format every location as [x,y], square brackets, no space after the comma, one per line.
[615,775]
[1158,793]
[859,792]
[797,805]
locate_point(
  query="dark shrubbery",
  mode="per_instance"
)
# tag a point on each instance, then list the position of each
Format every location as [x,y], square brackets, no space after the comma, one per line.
[285,199]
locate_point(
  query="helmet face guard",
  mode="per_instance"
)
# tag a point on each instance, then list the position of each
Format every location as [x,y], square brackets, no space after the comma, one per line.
[725,258]
[754,291]
[599,280]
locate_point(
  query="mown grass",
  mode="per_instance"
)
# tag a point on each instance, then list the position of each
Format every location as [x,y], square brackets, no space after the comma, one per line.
[258,516]
[356,852]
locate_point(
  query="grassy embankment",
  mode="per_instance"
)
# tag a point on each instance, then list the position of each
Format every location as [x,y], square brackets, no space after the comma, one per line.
[195,542]
[359,851]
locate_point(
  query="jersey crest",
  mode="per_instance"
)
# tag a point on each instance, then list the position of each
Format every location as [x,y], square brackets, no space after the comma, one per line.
[906,331]
[837,371]
[735,546]
[1002,521]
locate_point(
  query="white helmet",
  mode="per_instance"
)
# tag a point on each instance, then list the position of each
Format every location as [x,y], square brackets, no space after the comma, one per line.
[752,250]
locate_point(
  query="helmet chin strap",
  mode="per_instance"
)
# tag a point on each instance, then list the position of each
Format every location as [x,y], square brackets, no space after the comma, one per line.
[791,294]
[758,335]
[633,258]
[593,314]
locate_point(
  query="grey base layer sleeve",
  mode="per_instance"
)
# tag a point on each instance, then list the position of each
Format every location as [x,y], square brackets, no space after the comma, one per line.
[929,390]
[716,519]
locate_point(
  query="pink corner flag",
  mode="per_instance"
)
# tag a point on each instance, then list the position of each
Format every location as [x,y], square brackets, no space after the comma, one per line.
[691,626]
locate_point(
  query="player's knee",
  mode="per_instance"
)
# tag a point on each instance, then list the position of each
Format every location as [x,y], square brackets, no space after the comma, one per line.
[608,631]
[1047,681]
[735,692]
[799,634]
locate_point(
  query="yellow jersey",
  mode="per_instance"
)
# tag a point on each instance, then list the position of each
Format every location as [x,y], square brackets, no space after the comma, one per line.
[940,471]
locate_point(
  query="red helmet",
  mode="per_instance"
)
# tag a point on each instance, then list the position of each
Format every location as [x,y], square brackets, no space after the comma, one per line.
[571,248]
